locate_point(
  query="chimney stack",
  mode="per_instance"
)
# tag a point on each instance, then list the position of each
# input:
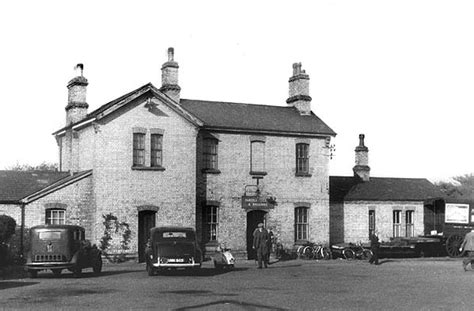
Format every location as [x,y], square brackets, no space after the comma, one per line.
[169,77]
[299,91]
[361,168]
[76,108]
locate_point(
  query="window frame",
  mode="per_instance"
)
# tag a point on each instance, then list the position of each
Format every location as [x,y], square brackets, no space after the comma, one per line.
[301,223]
[53,214]
[139,149]
[257,168]
[397,215]
[210,154]
[302,159]
[372,222]
[409,223]
[156,154]
[211,223]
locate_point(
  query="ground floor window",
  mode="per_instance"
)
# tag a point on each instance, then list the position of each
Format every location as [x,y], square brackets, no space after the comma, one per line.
[211,223]
[301,223]
[371,222]
[410,228]
[396,223]
[55,217]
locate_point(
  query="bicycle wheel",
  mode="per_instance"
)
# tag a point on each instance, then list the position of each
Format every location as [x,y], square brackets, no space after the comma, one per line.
[348,253]
[317,252]
[299,251]
[325,253]
[307,252]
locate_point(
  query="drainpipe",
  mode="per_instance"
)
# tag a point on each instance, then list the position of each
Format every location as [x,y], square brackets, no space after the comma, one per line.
[22,230]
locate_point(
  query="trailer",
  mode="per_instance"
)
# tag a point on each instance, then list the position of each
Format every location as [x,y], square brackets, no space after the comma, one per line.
[449,222]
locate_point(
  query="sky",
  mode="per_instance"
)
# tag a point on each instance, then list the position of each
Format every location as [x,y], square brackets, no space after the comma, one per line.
[400,72]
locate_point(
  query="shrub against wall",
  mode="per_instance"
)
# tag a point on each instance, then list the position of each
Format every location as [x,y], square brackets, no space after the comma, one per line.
[113,230]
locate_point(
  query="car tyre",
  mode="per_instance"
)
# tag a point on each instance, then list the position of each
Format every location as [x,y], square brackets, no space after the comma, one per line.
[77,272]
[33,274]
[97,268]
[150,269]
[57,272]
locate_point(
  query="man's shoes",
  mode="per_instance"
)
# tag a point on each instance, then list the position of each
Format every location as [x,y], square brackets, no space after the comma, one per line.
[259,267]
[464,266]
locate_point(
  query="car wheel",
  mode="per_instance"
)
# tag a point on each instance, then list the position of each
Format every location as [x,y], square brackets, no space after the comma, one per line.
[77,272]
[97,268]
[57,272]
[150,269]
[32,274]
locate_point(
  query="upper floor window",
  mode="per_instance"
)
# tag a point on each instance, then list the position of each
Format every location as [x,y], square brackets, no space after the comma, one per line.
[301,223]
[257,155]
[55,217]
[210,154]
[156,148]
[138,149]
[302,159]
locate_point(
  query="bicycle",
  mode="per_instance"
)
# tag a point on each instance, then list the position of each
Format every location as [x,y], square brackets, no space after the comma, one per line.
[321,252]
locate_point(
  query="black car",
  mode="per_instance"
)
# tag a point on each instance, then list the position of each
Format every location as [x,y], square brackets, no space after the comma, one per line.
[58,247]
[172,248]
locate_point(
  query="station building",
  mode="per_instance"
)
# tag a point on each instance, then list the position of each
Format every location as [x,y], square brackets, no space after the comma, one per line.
[150,158]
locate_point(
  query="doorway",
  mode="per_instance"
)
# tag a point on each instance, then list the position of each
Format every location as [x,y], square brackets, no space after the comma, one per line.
[146,221]
[253,219]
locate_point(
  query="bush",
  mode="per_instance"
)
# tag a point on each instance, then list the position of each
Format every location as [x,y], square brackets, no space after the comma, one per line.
[7,228]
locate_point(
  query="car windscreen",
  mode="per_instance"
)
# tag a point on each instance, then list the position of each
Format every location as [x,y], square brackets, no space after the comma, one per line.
[49,235]
[174,236]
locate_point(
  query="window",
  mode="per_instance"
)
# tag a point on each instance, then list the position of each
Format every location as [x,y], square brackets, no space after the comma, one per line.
[410,228]
[301,223]
[396,223]
[257,153]
[156,148]
[55,217]
[371,222]
[302,159]
[211,223]
[210,154]
[138,149]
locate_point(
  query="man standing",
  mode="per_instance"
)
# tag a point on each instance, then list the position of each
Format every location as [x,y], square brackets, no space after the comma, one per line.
[374,247]
[468,245]
[260,244]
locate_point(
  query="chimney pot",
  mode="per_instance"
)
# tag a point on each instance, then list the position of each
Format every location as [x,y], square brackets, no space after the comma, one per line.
[170,54]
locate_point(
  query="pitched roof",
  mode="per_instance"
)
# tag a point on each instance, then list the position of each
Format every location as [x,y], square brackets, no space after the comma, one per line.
[238,116]
[15,185]
[344,188]
[224,115]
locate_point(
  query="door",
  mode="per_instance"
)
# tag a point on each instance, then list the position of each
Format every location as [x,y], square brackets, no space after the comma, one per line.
[146,221]
[253,219]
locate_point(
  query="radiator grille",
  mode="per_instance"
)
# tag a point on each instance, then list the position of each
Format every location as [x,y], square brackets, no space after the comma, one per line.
[49,257]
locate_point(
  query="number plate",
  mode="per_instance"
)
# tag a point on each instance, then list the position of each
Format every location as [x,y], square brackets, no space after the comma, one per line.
[176,260]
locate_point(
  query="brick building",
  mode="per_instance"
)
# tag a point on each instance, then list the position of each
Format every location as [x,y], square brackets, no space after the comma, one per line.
[394,207]
[151,158]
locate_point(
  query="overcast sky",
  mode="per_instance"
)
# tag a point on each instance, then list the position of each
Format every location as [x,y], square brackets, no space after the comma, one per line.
[401,72]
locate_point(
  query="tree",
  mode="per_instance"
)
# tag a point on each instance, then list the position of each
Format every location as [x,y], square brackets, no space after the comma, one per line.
[461,188]
[45,166]
[7,228]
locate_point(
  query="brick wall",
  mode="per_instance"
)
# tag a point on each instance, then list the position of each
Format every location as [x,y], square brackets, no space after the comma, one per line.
[356,220]
[229,186]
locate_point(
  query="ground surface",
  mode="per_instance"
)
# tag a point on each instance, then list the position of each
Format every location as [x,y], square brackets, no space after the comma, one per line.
[401,284]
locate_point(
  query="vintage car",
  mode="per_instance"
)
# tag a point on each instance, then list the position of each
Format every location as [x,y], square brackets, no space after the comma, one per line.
[58,247]
[172,248]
